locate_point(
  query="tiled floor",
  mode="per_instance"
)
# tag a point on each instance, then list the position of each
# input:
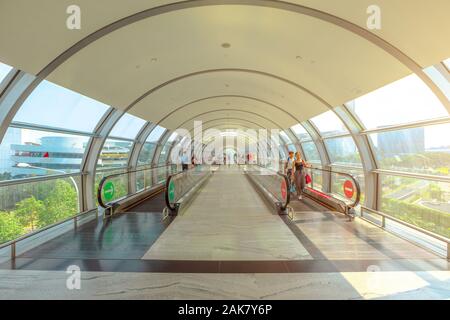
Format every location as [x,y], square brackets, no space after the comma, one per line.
[126,285]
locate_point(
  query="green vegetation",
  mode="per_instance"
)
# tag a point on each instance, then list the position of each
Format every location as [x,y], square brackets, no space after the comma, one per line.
[10,227]
[418,215]
[404,199]
[430,163]
[51,201]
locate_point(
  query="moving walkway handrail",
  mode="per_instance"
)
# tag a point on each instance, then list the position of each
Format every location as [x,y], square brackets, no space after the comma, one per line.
[171,177]
[125,173]
[354,181]
[285,203]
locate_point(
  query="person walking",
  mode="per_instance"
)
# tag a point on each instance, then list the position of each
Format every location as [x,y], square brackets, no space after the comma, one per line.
[299,174]
[184,161]
[289,168]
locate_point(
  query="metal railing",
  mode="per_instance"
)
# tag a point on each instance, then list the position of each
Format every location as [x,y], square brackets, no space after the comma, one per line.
[182,185]
[14,242]
[385,217]
[116,187]
[274,183]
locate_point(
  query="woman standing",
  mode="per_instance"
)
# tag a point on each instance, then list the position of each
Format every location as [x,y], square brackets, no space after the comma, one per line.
[299,174]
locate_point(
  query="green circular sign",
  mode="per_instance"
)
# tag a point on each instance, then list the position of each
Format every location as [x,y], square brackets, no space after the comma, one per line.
[108,191]
[171,191]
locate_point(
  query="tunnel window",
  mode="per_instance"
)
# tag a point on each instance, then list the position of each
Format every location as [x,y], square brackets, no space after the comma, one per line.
[149,147]
[439,79]
[156,133]
[282,153]
[285,137]
[300,132]
[172,137]
[329,124]
[343,151]
[27,153]
[54,106]
[28,206]
[423,150]
[446,63]
[311,153]
[146,155]
[164,155]
[337,181]
[114,154]
[403,101]
[421,202]
[4,70]
[127,127]
[291,147]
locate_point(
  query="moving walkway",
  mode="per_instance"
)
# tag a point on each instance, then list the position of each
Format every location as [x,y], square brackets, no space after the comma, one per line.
[181,187]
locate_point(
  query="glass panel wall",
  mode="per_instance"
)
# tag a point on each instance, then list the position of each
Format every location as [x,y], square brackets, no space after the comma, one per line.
[291,147]
[423,150]
[127,127]
[47,137]
[156,134]
[114,154]
[403,101]
[329,124]
[311,153]
[149,147]
[146,154]
[120,186]
[337,181]
[4,70]
[284,138]
[343,151]
[164,155]
[54,106]
[26,207]
[439,79]
[423,203]
[446,63]
[26,153]
[300,132]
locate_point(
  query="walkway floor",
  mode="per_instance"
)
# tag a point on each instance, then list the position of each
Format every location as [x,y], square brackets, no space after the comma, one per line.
[228,220]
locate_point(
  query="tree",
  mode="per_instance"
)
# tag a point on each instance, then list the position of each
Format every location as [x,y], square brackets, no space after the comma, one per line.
[28,212]
[435,192]
[10,227]
[60,204]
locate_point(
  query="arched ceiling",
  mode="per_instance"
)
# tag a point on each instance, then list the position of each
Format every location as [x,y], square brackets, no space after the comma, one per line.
[298,58]
[229,103]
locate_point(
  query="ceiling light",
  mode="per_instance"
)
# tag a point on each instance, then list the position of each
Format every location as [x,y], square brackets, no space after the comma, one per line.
[229,134]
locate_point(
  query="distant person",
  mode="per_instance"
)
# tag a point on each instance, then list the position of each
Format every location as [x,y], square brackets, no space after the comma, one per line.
[289,167]
[184,162]
[299,174]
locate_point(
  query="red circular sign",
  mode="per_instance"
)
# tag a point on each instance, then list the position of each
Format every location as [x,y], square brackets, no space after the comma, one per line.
[349,191]
[283,189]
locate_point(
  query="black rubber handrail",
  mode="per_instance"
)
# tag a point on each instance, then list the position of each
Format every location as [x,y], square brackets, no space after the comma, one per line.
[166,193]
[286,179]
[100,186]
[356,183]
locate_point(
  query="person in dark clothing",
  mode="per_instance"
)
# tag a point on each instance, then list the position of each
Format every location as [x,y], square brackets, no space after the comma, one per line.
[299,174]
